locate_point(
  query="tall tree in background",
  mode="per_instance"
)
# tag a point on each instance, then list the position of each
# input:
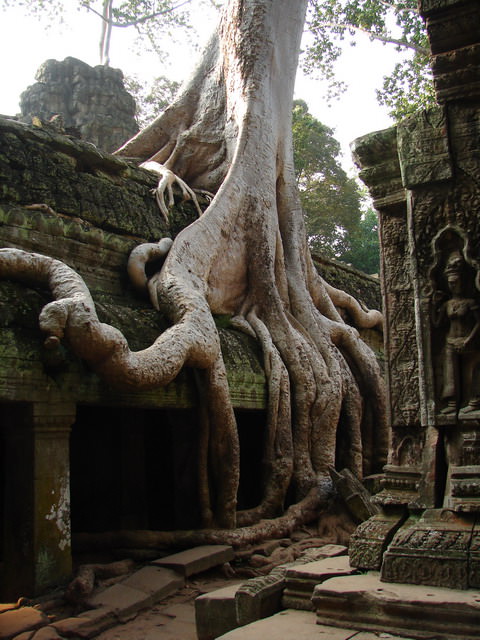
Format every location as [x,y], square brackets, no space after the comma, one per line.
[331,200]
[229,131]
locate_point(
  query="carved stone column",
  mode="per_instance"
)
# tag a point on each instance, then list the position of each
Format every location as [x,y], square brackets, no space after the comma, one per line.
[433,319]
[37,539]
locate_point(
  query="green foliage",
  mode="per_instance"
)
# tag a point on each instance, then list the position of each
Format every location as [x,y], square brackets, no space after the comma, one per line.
[151,98]
[394,22]
[364,251]
[331,201]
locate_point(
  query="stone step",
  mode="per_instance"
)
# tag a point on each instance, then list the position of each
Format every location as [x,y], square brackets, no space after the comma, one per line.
[198,559]
[363,602]
[300,580]
[140,590]
[293,624]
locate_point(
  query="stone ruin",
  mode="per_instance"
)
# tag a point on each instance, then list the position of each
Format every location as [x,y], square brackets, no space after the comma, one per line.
[92,102]
[424,176]
[65,198]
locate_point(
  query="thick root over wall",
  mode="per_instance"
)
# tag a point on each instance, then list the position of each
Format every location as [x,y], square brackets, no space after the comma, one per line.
[246,256]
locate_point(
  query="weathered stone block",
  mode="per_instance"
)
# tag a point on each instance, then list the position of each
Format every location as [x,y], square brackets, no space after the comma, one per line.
[216,613]
[423,148]
[364,602]
[301,580]
[432,550]
[46,633]
[197,559]
[88,624]
[286,624]
[370,540]
[156,581]
[123,600]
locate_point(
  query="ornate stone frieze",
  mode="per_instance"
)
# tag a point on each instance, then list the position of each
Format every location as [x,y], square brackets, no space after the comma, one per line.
[400,485]
[430,550]
[370,540]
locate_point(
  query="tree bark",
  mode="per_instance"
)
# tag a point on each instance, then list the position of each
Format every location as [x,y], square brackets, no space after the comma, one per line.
[229,131]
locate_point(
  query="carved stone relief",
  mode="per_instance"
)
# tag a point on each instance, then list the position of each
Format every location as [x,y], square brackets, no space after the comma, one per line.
[455,316]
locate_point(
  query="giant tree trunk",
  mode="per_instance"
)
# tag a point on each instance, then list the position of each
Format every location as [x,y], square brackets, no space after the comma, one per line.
[229,131]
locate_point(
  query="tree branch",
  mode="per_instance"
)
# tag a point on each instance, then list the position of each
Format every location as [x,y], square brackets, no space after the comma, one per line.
[376,36]
[142,20]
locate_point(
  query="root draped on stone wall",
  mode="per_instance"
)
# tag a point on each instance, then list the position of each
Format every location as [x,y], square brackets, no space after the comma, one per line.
[229,131]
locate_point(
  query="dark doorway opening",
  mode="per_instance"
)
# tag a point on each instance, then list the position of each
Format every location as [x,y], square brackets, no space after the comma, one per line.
[133,469]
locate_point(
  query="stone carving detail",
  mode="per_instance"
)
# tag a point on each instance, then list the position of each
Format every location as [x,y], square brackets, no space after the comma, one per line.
[370,539]
[92,101]
[431,550]
[401,340]
[455,312]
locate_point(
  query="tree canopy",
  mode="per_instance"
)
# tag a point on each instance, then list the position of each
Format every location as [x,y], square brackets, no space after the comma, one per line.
[331,200]
[333,23]
[150,18]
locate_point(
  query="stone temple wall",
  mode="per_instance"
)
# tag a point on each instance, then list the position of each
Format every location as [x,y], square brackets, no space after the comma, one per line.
[424,176]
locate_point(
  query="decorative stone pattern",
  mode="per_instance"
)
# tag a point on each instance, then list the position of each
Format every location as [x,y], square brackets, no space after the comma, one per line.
[92,101]
[369,541]
[431,550]
[377,157]
[423,148]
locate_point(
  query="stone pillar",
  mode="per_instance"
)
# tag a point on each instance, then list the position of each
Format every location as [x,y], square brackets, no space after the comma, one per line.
[433,320]
[37,539]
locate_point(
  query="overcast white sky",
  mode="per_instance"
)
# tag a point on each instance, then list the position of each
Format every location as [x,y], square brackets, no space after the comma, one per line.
[25,44]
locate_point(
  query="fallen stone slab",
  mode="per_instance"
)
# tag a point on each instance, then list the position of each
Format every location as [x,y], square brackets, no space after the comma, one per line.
[156,581]
[363,602]
[261,597]
[291,623]
[300,580]
[196,560]
[369,635]
[123,600]
[16,621]
[216,612]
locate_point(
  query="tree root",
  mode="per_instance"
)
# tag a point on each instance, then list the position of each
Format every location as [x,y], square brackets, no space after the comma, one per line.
[303,512]
[167,179]
[81,587]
